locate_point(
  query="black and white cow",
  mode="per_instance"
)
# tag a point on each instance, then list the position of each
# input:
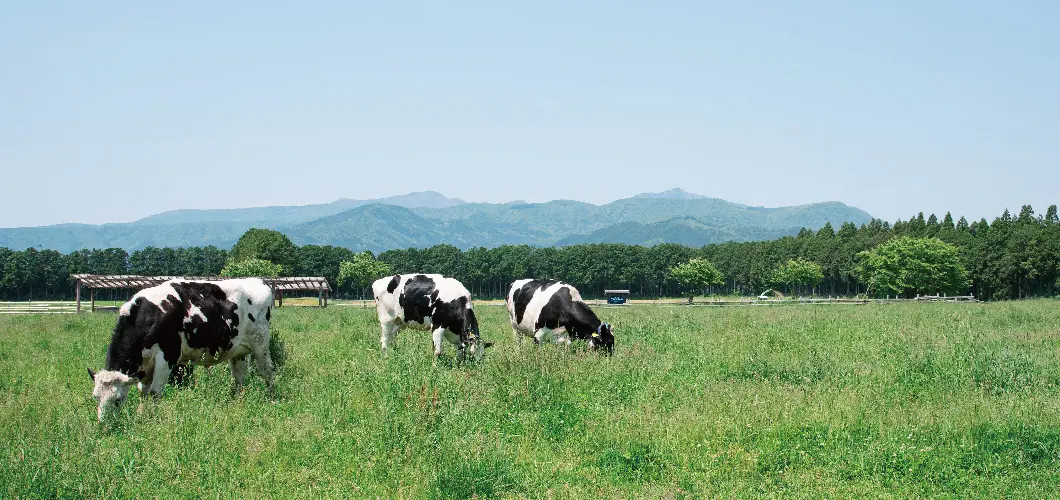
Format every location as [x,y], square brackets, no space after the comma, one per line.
[553,310]
[180,322]
[429,302]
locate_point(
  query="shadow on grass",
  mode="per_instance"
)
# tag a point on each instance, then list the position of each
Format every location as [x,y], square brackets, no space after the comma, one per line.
[482,477]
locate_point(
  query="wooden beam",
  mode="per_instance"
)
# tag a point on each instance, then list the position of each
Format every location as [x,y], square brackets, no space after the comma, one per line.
[77,295]
[92,293]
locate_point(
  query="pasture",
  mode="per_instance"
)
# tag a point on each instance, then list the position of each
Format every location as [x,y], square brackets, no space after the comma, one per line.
[950,400]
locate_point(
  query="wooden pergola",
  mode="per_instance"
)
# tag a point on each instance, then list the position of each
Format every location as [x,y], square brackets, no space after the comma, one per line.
[94,282]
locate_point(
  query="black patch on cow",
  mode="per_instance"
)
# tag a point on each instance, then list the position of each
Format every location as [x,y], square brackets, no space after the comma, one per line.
[148,324]
[268,314]
[251,316]
[416,298]
[216,332]
[249,303]
[521,297]
[390,287]
[563,311]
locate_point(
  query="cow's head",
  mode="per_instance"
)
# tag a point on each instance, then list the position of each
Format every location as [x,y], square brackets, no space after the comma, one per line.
[472,342]
[603,338]
[110,390]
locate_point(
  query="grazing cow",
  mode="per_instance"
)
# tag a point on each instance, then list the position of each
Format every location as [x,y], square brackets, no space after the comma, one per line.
[428,302]
[545,309]
[181,322]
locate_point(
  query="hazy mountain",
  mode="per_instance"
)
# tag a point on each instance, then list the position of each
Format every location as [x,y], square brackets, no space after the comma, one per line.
[286,215]
[429,218]
[673,194]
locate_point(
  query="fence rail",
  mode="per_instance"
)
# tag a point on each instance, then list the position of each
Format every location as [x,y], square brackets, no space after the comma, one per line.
[43,307]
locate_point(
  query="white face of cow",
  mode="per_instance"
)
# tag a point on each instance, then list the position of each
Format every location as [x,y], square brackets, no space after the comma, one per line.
[110,390]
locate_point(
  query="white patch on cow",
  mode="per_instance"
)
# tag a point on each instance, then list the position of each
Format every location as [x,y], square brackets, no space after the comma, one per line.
[450,289]
[194,311]
[156,294]
[125,309]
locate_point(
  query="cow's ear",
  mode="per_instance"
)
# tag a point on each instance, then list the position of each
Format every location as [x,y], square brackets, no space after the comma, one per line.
[92,374]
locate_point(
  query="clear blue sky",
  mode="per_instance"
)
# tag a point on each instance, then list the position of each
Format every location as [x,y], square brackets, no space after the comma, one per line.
[110,111]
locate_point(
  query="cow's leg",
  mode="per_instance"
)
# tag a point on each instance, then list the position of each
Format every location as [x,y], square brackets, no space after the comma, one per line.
[264,363]
[145,383]
[386,339]
[239,372]
[438,336]
[181,375]
[461,354]
[159,377]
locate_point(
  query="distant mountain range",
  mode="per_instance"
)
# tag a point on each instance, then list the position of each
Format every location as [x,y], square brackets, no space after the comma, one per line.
[429,218]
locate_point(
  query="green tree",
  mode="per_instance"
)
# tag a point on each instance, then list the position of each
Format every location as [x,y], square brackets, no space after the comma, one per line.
[251,268]
[798,272]
[266,244]
[908,266]
[695,275]
[323,260]
[108,261]
[361,271]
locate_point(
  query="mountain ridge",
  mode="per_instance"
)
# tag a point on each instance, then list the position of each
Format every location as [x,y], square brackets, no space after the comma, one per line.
[428,218]
[296,213]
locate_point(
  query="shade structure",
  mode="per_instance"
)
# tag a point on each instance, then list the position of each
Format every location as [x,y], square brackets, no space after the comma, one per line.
[94,282]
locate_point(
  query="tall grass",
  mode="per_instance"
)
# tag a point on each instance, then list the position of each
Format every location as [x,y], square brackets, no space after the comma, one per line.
[950,400]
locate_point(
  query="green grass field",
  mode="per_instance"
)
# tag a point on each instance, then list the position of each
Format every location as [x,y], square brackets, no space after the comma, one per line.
[940,400]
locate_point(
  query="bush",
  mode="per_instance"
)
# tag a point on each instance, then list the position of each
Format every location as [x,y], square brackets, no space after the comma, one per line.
[251,268]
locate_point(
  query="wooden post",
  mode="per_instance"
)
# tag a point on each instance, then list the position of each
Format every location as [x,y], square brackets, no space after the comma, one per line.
[325,298]
[281,299]
[92,294]
[77,296]
[320,299]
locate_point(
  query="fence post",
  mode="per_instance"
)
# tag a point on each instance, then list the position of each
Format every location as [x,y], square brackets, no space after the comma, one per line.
[77,296]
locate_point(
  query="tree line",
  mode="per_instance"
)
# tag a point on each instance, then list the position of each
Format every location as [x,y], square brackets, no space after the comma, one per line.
[1010,257]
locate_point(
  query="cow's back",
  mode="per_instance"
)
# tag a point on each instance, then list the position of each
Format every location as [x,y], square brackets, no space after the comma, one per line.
[252,301]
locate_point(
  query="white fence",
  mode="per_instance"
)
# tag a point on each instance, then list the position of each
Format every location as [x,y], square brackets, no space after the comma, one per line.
[44,307]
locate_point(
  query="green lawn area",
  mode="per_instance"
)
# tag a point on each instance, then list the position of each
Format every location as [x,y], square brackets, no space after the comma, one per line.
[939,400]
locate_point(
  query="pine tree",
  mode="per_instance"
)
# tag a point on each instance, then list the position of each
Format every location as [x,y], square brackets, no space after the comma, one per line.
[826,231]
[1026,215]
[932,227]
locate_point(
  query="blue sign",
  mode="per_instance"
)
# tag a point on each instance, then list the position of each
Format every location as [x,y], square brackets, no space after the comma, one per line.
[616,299]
